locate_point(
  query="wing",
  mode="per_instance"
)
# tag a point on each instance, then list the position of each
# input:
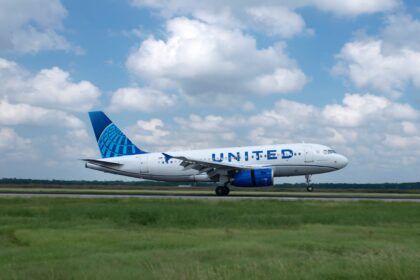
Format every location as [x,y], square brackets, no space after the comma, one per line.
[215,170]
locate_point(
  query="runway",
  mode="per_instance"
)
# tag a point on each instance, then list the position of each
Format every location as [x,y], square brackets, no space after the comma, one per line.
[194,196]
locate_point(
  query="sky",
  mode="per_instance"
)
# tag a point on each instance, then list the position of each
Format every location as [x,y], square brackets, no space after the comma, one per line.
[183,74]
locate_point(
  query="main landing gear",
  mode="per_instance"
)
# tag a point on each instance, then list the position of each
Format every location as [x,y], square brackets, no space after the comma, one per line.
[309,187]
[222,191]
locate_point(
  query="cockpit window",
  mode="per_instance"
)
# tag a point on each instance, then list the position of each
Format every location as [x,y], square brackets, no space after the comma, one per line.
[327,152]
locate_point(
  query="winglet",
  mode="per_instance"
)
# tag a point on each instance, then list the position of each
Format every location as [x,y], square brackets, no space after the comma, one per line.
[167,157]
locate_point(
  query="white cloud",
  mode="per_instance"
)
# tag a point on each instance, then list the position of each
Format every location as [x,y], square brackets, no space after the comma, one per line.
[24,114]
[69,146]
[277,20]
[281,81]
[398,141]
[341,136]
[152,132]
[367,66]
[400,111]
[152,125]
[141,99]
[285,114]
[191,132]
[248,106]
[75,150]
[222,16]
[354,7]
[12,146]
[364,127]
[341,8]
[358,109]
[209,123]
[410,128]
[387,63]
[355,109]
[401,31]
[32,26]
[202,59]
[9,138]
[40,104]
[54,88]
[51,88]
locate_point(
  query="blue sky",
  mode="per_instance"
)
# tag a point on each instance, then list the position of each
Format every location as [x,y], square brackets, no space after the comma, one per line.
[196,74]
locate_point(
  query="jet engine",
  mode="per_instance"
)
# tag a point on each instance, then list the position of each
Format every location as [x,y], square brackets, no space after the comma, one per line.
[262,177]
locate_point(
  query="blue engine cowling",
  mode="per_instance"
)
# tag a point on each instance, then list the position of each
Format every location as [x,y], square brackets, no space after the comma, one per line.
[254,178]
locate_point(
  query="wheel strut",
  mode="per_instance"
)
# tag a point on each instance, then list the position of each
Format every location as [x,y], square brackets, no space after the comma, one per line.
[309,186]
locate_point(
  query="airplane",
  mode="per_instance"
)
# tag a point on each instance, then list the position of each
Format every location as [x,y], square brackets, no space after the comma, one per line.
[253,166]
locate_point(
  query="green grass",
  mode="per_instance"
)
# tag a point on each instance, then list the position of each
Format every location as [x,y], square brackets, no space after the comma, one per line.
[45,238]
[208,191]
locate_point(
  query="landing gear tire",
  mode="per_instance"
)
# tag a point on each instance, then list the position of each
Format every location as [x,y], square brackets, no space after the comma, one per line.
[222,191]
[309,187]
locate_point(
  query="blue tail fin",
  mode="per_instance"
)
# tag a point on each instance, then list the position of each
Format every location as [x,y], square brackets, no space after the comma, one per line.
[111,141]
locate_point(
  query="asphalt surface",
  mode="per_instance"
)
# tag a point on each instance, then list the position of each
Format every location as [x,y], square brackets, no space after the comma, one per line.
[233,196]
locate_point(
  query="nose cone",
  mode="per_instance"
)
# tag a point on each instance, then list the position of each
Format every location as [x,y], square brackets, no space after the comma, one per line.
[342,161]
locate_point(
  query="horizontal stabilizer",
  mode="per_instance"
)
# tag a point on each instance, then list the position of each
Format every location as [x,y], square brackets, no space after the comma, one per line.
[102,162]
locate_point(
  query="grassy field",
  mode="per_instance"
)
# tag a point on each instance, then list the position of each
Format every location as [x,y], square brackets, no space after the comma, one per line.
[208,192]
[98,186]
[45,238]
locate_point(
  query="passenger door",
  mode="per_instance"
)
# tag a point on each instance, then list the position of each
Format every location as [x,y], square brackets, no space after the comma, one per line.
[144,164]
[309,155]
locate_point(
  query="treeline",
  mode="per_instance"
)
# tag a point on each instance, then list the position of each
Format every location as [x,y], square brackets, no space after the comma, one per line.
[14,181]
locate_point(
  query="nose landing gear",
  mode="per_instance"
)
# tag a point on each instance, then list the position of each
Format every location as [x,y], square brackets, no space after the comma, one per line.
[309,186]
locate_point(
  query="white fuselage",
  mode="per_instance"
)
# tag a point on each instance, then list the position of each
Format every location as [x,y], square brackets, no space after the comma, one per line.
[285,160]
